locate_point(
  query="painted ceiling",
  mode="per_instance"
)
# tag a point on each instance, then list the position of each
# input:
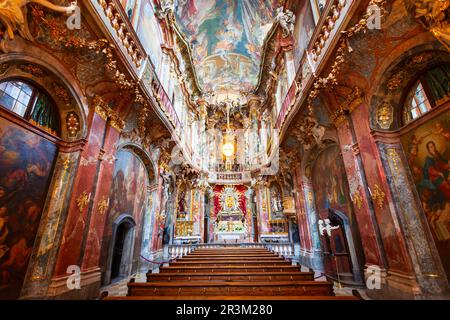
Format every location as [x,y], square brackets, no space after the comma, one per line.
[226,38]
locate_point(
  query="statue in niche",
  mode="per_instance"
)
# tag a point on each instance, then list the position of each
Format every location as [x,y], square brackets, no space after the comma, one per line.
[276,202]
[182,207]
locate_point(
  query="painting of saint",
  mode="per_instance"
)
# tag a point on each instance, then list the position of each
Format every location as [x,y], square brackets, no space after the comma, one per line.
[428,152]
[26,163]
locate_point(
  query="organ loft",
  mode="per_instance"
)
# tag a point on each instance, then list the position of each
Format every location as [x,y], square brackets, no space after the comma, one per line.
[224,149]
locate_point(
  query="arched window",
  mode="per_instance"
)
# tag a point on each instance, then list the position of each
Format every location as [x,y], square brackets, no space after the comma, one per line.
[431,90]
[31,103]
[417,104]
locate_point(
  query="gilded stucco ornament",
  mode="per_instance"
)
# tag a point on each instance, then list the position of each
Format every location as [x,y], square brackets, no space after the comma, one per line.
[352,101]
[357,199]
[13,15]
[103,205]
[83,201]
[104,111]
[343,48]
[385,115]
[434,15]
[378,196]
[309,132]
[73,125]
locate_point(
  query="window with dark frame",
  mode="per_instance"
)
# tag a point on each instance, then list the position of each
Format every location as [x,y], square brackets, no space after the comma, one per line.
[426,94]
[31,103]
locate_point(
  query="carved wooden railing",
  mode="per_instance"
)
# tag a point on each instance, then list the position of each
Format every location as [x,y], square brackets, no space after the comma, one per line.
[164,102]
[121,29]
[315,57]
[128,43]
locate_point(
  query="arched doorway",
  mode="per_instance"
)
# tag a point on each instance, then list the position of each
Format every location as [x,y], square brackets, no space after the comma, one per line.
[129,220]
[123,239]
[334,207]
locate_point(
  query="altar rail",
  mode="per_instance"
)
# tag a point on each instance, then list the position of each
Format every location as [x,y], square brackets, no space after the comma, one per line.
[283,249]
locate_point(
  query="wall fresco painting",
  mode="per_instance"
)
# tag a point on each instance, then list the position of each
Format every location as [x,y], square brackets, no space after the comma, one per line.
[127,197]
[26,163]
[304,29]
[227,37]
[332,193]
[142,16]
[131,8]
[330,177]
[428,152]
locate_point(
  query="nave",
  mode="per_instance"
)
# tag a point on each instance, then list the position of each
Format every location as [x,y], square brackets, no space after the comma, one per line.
[228,149]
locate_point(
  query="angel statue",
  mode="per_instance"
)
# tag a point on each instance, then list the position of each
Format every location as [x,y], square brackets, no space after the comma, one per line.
[434,15]
[286,21]
[325,225]
[13,15]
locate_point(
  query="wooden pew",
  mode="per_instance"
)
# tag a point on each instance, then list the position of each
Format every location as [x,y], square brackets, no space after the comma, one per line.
[229,276]
[215,269]
[239,263]
[225,259]
[243,288]
[235,298]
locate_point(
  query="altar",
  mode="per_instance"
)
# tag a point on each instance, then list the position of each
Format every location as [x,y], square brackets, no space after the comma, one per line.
[230,224]
[227,237]
[230,231]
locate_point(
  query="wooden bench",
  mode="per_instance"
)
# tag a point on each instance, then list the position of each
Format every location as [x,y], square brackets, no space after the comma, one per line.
[207,288]
[215,269]
[225,259]
[231,276]
[238,263]
[235,298]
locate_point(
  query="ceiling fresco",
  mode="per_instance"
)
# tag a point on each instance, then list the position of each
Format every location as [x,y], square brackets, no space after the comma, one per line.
[226,38]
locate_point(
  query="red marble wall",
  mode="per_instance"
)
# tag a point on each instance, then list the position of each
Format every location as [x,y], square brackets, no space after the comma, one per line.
[393,242]
[70,252]
[300,203]
[91,258]
[367,228]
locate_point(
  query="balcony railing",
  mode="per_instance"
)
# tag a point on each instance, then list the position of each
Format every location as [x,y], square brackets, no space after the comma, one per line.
[154,87]
[314,59]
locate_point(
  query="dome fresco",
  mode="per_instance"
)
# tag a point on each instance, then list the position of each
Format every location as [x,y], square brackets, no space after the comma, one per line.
[226,37]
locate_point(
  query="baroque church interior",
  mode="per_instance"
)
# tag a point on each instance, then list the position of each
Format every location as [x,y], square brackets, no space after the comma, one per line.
[224,149]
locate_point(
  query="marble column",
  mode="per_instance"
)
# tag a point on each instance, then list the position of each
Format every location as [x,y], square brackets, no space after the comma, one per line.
[412,219]
[78,218]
